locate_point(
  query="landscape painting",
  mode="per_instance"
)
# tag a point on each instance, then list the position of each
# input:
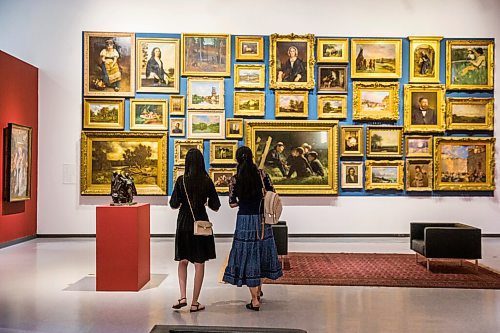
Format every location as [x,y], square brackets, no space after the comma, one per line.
[384,175]
[418,146]
[384,141]
[249,103]
[206,124]
[332,49]
[332,107]
[203,93]
[103,113]
[376,58]
[206,54]
[249,76]
[291,104]
[375,100]
[469,114]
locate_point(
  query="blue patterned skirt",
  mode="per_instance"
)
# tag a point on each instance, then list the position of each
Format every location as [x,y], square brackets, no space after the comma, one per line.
[252,258]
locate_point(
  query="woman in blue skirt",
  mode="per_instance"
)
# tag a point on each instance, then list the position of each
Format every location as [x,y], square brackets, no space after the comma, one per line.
[252,256]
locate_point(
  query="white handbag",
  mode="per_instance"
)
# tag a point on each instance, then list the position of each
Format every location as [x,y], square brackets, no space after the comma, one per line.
[201,227]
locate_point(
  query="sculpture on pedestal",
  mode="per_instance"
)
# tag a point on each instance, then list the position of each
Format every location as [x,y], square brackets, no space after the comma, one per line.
[122,189]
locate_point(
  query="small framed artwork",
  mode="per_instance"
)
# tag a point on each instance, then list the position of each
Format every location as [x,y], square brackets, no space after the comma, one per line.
[249,48]
[181,147]
[177,172]
[177,126]
[206,55]
[418,145]
[221,178]
[206,124]
[158,65]
[384,175]
[205,93]
[376,58]
[352,142]
[332,49]
[17,181]
[109,64]
[419,174]
[148,114]
[177,105]
[424,59]
[464,164]
[223,151]
[424,108]
[293,104]
[103,113]
[249,76]
[291,61]
[234,128]
[469,114]
[375,101]
[249,103]
[469,64]
[352,174]
[384,141]
[332,79]
[332,107]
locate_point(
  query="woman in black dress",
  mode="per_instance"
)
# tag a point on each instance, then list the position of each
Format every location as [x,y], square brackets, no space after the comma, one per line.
[188,247]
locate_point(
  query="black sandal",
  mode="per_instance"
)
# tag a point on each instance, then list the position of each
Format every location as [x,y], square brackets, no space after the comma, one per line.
[179,304]
[261,294]
[198,308]
[250,306]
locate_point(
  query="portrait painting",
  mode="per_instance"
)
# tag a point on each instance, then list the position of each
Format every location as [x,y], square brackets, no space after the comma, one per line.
[148,114]
[291,61]
[17,159]
[206,55]
[249,76]
[181,147]
[332,107]
[205,93]
[223,151]
[292,104]
[375,100]
[300,157]
[464,164]
[206,124]
[419,174]
[352,142]
[376,58]
[332,79]
[352,174]
[221,178]
[109,64]
[177,172]
[234,128]
[141,155]
[177,105]
[418,145]
[469,114]
[469,64]
[332,49]
[249,48]
[384,141]
[424,108]
[103,113]
[177,126]
[157,65]
[384,175]
[424,59]
[249,103]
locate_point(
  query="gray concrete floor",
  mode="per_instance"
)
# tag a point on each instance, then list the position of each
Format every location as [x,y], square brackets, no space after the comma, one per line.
[48,285]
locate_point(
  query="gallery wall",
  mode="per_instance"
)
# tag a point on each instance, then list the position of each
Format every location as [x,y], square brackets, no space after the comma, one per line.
[50,37]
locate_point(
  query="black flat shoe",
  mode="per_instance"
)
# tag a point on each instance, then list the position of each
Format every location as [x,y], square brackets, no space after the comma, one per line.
[197,307]
[250,306]
[261,294]
[180,304]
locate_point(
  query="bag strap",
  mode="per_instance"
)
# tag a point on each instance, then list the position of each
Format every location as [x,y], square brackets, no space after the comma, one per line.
[263,185]
[262,201]
[187,196]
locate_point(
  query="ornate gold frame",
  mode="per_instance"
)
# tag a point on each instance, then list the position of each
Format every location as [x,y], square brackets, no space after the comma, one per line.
[254,39]
[359,114]
[144,127]
[369,185]
[323,115]
[218,81]
[280,114]
[262,76]
[345,48]
[176,172]
[369,139]
[182,102]
[17,150]
[177,149]
[226,72]
[397,65]
[228,128]
[343,173]
[487,126]
[233,144]
[361,140]
[222,125]
[440,108]
[435,43]
[430,177]
[260,95]
[212,172]
[120,124]
[423,137]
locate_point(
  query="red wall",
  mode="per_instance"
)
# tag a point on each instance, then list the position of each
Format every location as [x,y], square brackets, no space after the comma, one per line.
[18,104]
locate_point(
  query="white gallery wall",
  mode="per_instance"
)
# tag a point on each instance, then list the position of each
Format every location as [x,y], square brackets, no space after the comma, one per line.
[48,34]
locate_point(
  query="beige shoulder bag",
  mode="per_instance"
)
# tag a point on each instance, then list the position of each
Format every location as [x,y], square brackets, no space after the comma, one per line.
[201,228]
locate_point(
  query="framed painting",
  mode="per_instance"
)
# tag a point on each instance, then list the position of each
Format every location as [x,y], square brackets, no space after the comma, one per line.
[249,76]
[206,124]
[177,172]
[206,55]
[419,174]
[384,141]
[223,151]
[424,108]
[352,174]
[234,128]
[469,64]
[418,145]
[291,104]
[469,114]
[177,127]
[205,93]
[221,178]
[249,48]
[376,58]
[177,105]
[17,161]
[158,65]
[109,64]
[148,114]
[375,101]
[103,113]
[332,107]
[464,164]
[352,141]
[384,175]
[332,79]
[143,155]
[424,59]
[332,49]
[249,103]
[280,148]
[291,61]
[181,147]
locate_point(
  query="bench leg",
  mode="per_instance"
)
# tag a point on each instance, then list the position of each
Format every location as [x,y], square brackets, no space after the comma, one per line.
[428,262]
[477,265]
[416,257]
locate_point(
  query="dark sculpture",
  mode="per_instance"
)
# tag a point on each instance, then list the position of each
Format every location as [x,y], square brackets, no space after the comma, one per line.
[122,189]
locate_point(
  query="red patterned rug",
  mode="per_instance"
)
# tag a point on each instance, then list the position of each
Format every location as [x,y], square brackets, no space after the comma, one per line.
[383,270]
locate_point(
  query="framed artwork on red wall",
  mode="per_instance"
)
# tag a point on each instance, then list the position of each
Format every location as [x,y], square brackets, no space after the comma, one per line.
[17,163]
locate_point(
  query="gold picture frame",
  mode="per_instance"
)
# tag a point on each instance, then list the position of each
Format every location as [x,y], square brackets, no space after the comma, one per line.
[425,59]
[418,145]
[427,97]
[206,124]
[419,174]
[332,49]
[234,128]
[221,178]
[223,151]
[469,114]
[375,100]
[282,49]
[332,106]
[354,179]
[177,171]
[148,114]
[352,140]
[177,126]
[384,141]
[177,105]
[464,164]
[205,93]
[249,76]
[249,103]
[291,103]
[182,146]
[387,65]
[384,175]
[17,162]
[105,152]
[218,46]
[104,113]
[249,48]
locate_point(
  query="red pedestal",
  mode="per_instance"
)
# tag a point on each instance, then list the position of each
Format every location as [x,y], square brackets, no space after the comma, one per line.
[123,247]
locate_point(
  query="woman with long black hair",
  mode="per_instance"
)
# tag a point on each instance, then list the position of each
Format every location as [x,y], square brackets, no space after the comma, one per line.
[252,256]
[188,247]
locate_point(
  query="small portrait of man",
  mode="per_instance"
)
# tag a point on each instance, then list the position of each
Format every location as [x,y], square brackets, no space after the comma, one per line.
[177,127]
[423,110]
[352,175]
